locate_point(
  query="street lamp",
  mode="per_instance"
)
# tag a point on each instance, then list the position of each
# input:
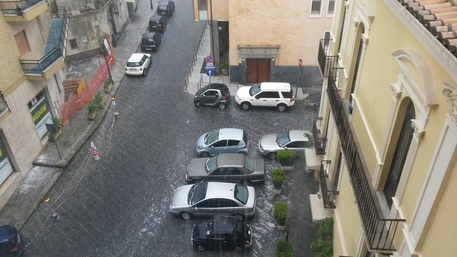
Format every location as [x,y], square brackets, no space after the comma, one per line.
[104,53]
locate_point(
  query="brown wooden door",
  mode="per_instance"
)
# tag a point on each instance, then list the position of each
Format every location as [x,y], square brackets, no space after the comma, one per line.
[258,70]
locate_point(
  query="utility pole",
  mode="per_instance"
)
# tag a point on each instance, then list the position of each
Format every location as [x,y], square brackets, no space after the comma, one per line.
[105,52]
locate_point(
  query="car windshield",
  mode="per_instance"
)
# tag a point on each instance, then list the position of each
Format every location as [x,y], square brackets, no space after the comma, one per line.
[162,7]
[211,137]
[241,193]
[249,164]
[133,64]
[283,138]
[254,89]
[197,193]
[211,164]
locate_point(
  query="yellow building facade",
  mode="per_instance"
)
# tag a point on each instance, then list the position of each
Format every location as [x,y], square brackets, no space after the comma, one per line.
[264,40]
[31,75]
[387,128]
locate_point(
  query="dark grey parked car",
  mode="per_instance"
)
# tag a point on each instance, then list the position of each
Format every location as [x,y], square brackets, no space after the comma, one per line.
[150,41]
[157,23]
[226,167]
[166,7]
[214,94]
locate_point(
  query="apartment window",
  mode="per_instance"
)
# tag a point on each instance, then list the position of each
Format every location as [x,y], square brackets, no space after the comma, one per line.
[316,7]
[22,43]
[400,154]
[331,7]
[73,43]
[203,9]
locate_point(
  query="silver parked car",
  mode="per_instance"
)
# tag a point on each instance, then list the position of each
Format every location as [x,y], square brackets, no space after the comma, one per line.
[230,167]
[224,140]
[287,140]
[211,198]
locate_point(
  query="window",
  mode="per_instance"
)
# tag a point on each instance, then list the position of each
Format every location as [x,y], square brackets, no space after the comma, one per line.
[22,43]
[73,43]
[221,143]
[331,7]
[233,142]
[268,95]
[400,154]
[316,7]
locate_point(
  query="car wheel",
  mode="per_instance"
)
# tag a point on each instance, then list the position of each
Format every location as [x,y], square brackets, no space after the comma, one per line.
[239,249]
[222,106]
[246,106]
[204,154]
[198,103]
[144,72]
[272,156]
[239,217]
[282,107]
[200,247]
[185,215]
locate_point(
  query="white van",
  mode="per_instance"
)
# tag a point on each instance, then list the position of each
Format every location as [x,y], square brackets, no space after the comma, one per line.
[272,94]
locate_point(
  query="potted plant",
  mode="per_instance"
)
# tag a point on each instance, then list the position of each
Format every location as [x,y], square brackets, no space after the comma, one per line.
[287,159]
[108,85]
[322,244]
[53,136]
[280,214]
[284,249]
[224,65]
[99,99]
[92,107]
[310,140]
[277,177]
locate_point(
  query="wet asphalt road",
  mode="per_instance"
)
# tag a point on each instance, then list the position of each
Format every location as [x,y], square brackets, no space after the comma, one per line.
[118,205]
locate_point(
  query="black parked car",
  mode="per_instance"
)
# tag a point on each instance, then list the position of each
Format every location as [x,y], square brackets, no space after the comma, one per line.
[214,94]
[11,243]
[157,23]
[222,233]
[150,41]
[166,8]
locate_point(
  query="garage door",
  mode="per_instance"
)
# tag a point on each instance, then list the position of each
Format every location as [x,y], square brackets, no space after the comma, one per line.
[258,70]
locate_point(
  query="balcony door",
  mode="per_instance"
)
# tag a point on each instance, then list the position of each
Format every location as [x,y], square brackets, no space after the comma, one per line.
[400,154]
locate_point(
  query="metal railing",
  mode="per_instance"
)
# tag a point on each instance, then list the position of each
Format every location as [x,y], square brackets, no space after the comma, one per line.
[328,195]
[194,59]
[319,141]
[53,51]
[379,231]
[326,62]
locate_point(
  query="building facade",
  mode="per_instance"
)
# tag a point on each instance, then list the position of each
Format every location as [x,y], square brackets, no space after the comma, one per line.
[386,135]
[32,47]
[264,40]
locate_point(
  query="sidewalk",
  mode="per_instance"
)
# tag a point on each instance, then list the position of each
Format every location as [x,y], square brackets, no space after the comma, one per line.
[55,157]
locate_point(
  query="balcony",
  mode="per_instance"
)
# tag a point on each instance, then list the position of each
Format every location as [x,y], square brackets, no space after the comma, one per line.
[326,61]
[320,141]
[328,194]
[22,11]
[379,231]
[53,58]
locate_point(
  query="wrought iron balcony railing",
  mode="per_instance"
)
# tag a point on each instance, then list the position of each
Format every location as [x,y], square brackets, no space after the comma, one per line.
[328,195]
[326,61]
[320,141]
[54,50]
[379,231]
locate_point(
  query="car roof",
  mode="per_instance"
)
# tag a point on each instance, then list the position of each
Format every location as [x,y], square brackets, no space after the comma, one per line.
[297,135]
[223,224]
[149,34]
[229,133]
[282,86]
[219,86]
[155,17]
[231,160]
[220,190]
[136,57]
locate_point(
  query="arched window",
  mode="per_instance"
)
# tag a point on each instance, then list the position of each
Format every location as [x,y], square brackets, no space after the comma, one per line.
[400,154]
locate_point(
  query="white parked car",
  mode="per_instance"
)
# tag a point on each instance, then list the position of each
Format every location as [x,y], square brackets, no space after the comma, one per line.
[211,198]
[287,140]
[138,64]
[270,94]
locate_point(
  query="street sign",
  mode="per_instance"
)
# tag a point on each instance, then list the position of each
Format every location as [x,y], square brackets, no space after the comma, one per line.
[300,62]
[210,71]
[209,59]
